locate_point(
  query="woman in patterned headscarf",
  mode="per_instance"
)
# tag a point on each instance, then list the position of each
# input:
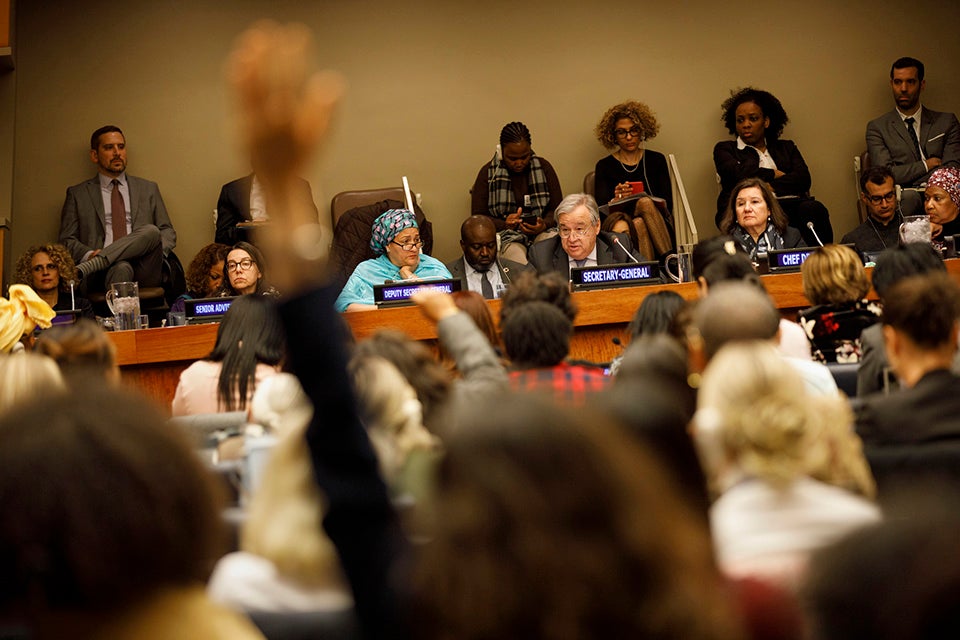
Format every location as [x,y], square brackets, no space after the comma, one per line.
[942,201]
[396,241]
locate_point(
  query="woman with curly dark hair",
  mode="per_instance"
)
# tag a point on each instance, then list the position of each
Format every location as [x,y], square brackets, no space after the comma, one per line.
[49,269]
[757,120]
[204,275]
[626,127]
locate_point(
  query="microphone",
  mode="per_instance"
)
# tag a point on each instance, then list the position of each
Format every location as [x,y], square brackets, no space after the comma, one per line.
[814,232]
[616,241]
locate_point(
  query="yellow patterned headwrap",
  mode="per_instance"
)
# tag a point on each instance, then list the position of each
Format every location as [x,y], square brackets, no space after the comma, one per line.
[19,315]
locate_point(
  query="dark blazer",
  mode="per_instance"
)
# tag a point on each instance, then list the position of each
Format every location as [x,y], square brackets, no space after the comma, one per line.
[889,144]
[233,206]
[734,165]
[508,270]
[83,220]
[548,255]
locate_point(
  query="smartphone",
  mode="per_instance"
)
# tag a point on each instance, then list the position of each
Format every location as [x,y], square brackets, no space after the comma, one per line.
[636,187]
[528,217]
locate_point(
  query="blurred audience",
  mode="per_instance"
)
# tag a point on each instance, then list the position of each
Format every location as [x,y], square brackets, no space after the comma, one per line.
[84,353]
[25,376]
[250,347]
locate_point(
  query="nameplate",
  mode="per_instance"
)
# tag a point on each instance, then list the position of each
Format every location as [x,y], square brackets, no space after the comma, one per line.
[393,294]
[787,260]
[65,318]
[610,276]
[204,310]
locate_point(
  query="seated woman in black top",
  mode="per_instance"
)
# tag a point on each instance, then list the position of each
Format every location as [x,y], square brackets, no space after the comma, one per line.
[626,127]
[754,218]
[501,184]
[835,282]
[757,119]
[49,269]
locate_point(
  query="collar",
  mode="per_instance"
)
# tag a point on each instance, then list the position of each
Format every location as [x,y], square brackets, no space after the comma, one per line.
[741,145]
[106,182]
[591,256]
[915,115]
[470,269]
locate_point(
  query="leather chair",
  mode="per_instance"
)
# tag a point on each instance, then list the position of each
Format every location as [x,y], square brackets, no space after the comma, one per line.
[346,200]
[845,375]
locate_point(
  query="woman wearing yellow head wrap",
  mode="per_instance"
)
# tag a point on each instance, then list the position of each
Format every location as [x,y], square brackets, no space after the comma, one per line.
[21,314]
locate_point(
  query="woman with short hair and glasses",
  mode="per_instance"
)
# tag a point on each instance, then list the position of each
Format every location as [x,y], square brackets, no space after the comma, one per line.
[625,128]
[396,241]
[244,272]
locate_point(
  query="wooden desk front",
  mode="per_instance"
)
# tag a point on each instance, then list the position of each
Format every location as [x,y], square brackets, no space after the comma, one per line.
[152,359]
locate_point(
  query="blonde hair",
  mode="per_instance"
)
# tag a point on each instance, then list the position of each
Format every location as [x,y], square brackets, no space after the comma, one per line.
[394,416]
[25,376]
[285,512]
[770,428]
[834,274]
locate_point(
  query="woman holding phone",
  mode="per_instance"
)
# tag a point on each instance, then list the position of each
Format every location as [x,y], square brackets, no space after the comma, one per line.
[625,128]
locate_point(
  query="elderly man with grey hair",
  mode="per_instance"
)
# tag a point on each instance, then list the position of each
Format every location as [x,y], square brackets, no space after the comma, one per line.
[580,243]
[737,311]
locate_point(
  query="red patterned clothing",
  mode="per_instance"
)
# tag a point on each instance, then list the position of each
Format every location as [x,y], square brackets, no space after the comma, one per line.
[569,383]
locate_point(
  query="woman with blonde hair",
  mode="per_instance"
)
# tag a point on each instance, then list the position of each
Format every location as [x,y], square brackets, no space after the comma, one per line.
[24,376]
[835,282]
[775,456]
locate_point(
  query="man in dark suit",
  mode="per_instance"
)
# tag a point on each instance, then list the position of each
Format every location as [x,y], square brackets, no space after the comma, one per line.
[912,140]
[242,200]
[480,261]
[580,242]
[115,223]
[917,428]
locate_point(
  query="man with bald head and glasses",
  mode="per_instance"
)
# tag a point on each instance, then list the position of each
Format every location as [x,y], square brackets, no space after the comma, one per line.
[881,229]
[580,243]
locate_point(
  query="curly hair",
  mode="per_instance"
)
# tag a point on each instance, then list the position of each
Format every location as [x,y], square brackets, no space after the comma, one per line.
[59,256]
[767,102]
[639,113]
[729,220]
[199,269]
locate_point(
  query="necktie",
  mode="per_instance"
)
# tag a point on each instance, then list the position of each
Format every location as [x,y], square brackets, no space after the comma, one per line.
[118,212]
[486,289]
[913,136]
[580,263]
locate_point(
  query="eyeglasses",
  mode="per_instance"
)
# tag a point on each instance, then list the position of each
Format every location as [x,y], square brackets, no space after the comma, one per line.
[623,133]
[887,197]
[576,233]
[409,246]
[243,265]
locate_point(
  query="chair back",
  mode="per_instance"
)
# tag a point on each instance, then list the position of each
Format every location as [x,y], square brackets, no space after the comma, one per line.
[346,200]
[589,183]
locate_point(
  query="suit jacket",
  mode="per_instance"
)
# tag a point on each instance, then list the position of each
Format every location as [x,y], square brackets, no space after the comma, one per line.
[889,144]
[548,255]
[83,220]
[734,165]
[233,206]
[508,270]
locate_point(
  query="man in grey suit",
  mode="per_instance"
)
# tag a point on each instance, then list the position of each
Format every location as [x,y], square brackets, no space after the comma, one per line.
[480,269]
[115,223]
[580,242]
[912,140]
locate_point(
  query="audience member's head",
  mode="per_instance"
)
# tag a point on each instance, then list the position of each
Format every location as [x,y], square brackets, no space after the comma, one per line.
[753,188]
[250,334]
[734,267]
[925,310]
[125,509]
[879,193]
[641,118]
[942,195]
[392,414]
[536,335]
[84,353]
[419,368]
[547,524]
[706,251]
[655,314]
[529,287]
[832,275]
[473,304]
[770,111]
[515,147]
[45,268]
[244,270]
[732,312]
[478,241]
[25,376]
[205,273]
[902,262]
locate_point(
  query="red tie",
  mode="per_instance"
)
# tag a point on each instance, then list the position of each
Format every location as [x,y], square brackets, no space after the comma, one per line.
[118,212]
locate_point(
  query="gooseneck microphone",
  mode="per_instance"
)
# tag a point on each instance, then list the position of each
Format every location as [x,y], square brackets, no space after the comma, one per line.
[616,241]
[814,232]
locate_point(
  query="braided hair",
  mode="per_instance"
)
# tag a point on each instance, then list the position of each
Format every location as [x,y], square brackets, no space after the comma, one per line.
[514,132]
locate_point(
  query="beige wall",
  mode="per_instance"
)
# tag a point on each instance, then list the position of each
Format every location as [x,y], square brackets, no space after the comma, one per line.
[432,82]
